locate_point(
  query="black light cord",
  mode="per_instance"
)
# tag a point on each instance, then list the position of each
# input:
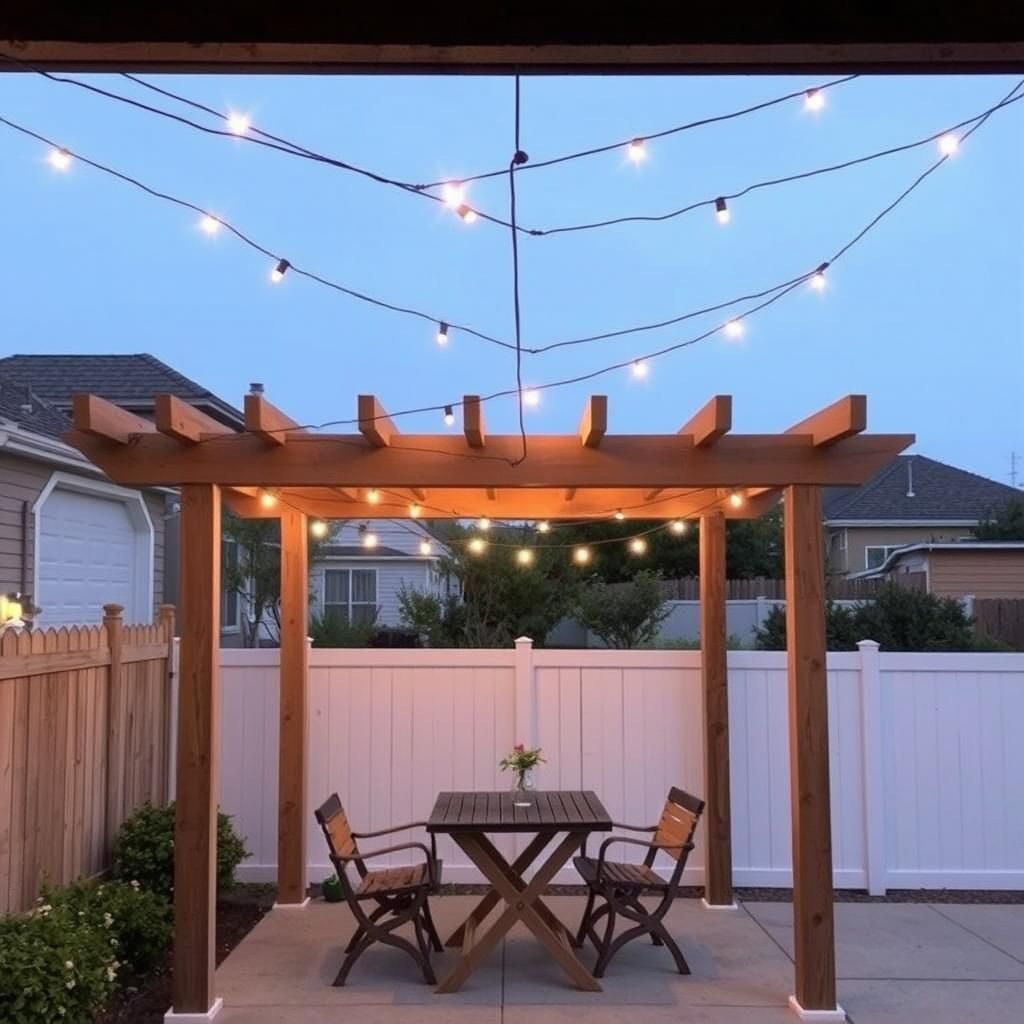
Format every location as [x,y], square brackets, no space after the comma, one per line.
[518,158]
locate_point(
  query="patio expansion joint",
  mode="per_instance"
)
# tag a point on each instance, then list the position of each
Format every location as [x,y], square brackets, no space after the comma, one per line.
[782,949]
[971,931]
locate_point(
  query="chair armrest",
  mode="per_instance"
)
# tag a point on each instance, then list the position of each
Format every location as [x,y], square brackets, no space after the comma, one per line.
[367,854]
[635,828]
[630,841]
[388,831]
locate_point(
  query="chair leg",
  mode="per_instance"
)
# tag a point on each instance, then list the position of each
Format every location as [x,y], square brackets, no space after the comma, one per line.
[604,950]
[581,932]
[351,956]
[404,944]
[360,931]
[428,920]
[659,930]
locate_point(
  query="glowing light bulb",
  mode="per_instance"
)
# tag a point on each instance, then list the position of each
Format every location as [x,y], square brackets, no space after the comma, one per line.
[467,213]
[442,333]
[268,499]
[814,99]
[477,545]
[734,329]
[454,193]
[369,539]
[581,555]
[59,159]
[414,511]
[620,515]
[531,398]
[640,368]
[736,499]
[238,124]
[678,527]
[279,271]
[637,151]
[483,523]
[318,528]
[722,211]
[524,556]
[543,526]
[373,496]
[449,416]
[209,224]
[638,546]
[948,144]
[425,548]
[818,280]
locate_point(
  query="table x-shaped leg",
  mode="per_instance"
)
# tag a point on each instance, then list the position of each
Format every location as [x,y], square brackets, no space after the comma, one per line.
[521,904]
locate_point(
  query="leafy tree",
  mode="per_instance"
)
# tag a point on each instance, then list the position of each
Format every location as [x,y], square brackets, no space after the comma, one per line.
[622,615]
[441,620]
[1006,524]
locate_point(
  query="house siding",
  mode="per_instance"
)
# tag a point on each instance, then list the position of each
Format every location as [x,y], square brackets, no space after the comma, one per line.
[414,573]
[858,538]
[980,573]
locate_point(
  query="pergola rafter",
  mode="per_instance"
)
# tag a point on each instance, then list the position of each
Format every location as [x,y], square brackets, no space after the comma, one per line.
[703,471]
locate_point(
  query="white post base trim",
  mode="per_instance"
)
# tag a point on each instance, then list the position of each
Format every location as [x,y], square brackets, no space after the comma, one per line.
[719,906]
[292,906]
[836,1016]
[170,1017]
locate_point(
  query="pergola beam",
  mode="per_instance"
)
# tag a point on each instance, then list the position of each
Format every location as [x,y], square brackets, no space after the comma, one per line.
[374,423]
[184,422]
[711,422]
[266,420]
[473,421]
[836,422]
[98,417]
[594,424]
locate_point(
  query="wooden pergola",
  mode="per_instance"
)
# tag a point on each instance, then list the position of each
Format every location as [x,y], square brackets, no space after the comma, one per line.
[696,472]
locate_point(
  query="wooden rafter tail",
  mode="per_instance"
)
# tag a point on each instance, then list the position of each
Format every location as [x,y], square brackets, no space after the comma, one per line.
[94,415]
[711,422]
[374,423]
[492,494]
[473,421]
[267,420]
[836,422]
[184,422]
[594,424]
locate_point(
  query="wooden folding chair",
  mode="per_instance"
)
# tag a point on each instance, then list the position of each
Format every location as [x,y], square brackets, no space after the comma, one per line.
[401,894]
[621,885]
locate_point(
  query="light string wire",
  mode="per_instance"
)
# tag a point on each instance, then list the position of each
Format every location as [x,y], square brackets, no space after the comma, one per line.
[518,158]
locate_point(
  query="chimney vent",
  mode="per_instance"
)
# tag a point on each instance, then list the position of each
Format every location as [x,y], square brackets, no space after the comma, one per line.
[256,388]
[910,479]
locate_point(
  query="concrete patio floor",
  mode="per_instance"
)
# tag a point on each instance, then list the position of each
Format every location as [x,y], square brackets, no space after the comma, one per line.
[909,963]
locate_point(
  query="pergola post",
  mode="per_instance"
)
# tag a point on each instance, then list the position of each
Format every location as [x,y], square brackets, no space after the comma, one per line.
[292,770]
[813,926]
[195,829]
[714,676]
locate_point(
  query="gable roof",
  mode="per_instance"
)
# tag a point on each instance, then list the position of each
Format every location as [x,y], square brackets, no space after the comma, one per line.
[128,380]
[21,406]
[916,489]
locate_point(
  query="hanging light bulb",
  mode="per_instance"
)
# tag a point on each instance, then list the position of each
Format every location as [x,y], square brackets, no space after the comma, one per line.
[442,333]
[318,528]
[268,499]
[279,271]
[620,515]
[59,159]
[373,496]
[449,416]
[369,537]
[948,144]
[814,99]
[531,398]
[454,193]
[467,213]
[678,527]
[414,511]
[581,555]
[639,368]
[209,224]
[483,523]
[524,556]
[736,500]
[543,526]
[722,211]
[425,548]
[238,124]
[637,151]
[818,281]
[734,329]
[638,546]
[477,545]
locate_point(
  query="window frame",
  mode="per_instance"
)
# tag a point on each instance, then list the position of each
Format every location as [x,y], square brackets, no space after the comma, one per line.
[887,550]
[349,604]
[226,594]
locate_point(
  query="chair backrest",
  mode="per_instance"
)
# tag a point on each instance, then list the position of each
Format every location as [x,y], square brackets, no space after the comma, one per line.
[678,821]
[332,819]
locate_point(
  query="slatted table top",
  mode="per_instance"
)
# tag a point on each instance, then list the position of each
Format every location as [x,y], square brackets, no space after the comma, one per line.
[547,810]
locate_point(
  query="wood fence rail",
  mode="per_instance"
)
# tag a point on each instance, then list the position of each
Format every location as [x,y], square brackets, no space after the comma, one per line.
[1001,619]
[838,588]
[84,738]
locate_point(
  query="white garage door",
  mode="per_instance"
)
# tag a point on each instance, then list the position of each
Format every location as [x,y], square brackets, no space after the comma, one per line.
[93,550]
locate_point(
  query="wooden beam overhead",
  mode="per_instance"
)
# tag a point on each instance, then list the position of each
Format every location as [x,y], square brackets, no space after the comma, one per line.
[374,423]
[184,422]
[594,424]
[267,421]
[492,494]
[100,418]
[473,421]
[840,420]
[712,422]
[570,493]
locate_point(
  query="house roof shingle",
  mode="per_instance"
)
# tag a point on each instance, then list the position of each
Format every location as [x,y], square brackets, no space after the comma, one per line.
[913,489]
[20,405]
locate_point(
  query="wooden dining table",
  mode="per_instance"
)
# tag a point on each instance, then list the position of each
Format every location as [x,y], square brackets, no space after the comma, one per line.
[470,818]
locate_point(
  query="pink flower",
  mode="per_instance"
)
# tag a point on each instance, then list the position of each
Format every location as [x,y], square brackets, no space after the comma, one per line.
[519,748]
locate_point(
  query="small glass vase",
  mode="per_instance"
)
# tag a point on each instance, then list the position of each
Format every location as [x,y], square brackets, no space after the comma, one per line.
[522,786]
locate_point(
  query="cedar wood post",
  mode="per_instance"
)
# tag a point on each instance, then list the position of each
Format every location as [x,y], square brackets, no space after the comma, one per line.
[292,772]
[714,675]
[114,805]
[195,830]
[813,927]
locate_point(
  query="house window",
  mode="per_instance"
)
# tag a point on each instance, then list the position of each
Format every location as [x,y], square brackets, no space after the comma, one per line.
[229,596]
[350,595]
[876,554]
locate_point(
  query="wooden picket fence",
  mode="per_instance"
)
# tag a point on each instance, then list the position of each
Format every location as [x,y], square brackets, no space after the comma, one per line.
[839,588]
[1002,619]
[84,735]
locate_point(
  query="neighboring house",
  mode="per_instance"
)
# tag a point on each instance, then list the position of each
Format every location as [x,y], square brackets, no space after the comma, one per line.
[69,538]
[978,569]
[911,501]
[359,584]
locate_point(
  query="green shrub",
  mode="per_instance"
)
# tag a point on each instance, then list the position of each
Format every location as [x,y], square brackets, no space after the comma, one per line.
[53,968]
[331,631]
[625,615]
[138,922]
[144,849]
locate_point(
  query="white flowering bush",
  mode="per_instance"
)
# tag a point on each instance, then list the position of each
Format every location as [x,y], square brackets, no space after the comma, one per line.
[53,967]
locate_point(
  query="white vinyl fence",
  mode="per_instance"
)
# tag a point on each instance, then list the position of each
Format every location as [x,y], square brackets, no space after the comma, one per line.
[926,750]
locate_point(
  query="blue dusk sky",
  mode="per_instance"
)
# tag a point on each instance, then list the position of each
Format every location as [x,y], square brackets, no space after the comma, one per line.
[925,315]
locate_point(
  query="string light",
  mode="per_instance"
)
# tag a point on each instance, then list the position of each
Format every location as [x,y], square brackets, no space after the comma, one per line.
[638,546]
[620,515]
[442,333]
[736,500]
[373,496]
[268,499]
[543,526]
[639,368]
[414,511]
[454,193]
[238,124]
[949,144]
[524,556]
[581,555]
[369,537]
[59,159]
[814,99]
[637,151]
[734,329]
[467,213]
[477,545]
[818,281]
[722,210]
[425,548]
[449,416]
[209,224]
[483,523]
[531,398]
[678,527]
[279,271]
